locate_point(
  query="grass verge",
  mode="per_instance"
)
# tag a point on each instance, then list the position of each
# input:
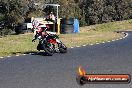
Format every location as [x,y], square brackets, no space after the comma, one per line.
[20,44]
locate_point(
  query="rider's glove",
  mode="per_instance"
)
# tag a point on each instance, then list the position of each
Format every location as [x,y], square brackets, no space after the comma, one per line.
[33,40]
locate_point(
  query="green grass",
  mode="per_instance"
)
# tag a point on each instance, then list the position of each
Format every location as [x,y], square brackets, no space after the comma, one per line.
[16,44]
[20,44]
[89,37]
[115,26]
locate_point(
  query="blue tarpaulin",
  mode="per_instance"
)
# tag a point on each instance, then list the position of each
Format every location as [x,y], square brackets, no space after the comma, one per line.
[76,26]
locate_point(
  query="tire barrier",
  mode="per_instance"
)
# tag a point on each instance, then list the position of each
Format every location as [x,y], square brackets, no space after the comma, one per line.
[69,26]
[66,29]
[69,21]
[22,28]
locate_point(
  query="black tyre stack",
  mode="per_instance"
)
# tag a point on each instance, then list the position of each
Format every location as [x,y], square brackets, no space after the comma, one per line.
[20,28]
[67,26]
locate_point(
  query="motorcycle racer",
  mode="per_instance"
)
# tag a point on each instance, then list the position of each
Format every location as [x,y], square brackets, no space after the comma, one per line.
[48,41]
[36,29]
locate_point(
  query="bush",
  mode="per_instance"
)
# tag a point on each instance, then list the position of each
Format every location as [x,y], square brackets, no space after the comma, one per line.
[4,32]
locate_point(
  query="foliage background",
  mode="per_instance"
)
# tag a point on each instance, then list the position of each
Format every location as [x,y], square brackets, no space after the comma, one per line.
[88,12]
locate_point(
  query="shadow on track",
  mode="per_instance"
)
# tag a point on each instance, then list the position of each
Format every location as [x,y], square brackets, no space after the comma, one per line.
[31,53]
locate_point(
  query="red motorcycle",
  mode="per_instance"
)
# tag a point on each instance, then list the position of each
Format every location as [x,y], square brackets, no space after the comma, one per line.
[50,43]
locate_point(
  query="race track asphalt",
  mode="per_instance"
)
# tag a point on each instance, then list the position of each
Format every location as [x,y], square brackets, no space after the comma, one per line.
[60,70]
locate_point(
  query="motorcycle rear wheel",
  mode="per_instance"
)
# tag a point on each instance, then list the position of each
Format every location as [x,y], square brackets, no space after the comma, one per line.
[48,49]
[39,47]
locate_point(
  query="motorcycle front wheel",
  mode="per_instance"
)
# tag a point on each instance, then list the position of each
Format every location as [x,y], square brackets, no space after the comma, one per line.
[62,48]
